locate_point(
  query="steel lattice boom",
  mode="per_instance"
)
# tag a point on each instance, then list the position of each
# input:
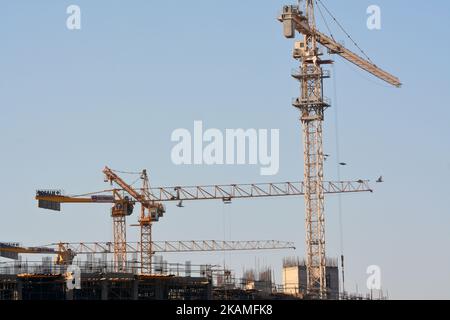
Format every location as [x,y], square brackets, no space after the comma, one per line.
[152,209]
[222,192]
[180,246]
[259,190]
[67,251]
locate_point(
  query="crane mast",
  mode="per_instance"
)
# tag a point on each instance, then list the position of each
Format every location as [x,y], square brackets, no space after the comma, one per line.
[312,108]
[145,223]
[119,224]
[312,105]
[122,207]
[150,211]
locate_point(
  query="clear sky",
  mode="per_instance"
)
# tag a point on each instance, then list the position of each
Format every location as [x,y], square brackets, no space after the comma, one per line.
[113,92]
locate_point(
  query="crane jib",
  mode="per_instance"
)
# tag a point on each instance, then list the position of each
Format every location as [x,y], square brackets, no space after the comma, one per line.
[294,20]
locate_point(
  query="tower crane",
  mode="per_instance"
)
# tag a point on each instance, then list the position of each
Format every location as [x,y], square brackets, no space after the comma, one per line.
[312,105]
[122,207]
[152,209]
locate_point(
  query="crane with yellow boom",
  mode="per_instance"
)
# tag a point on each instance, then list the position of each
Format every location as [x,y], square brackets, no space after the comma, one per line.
[122,207]
[152,209]
[65,252]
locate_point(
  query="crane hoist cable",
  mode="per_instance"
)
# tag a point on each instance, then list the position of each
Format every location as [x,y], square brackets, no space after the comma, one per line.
[363,76]
[332,36]
[338,168]
[92,193]
[337,147]
[337,142]
[343,30]
[135,181]
[126,172]
[325,21]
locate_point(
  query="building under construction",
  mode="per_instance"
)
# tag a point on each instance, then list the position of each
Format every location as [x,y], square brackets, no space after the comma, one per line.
[82,271]
[142,276]
[98,281]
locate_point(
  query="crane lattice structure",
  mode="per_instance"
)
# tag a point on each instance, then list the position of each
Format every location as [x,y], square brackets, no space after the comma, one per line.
[312,105]
[66,252]
[151,199]
[150,211]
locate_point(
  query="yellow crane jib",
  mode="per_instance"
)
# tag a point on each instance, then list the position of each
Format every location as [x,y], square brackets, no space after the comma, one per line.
[64,256]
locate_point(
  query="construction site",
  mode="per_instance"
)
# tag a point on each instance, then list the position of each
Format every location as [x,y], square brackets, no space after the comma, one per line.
[124,270]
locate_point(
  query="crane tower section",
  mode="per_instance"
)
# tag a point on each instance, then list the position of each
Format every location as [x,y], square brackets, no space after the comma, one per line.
[311,104]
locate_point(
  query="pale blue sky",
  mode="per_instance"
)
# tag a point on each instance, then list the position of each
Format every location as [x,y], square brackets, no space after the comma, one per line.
[113,92]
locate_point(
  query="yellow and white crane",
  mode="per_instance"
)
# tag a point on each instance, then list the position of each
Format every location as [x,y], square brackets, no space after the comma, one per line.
[312,105]
[125,197]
